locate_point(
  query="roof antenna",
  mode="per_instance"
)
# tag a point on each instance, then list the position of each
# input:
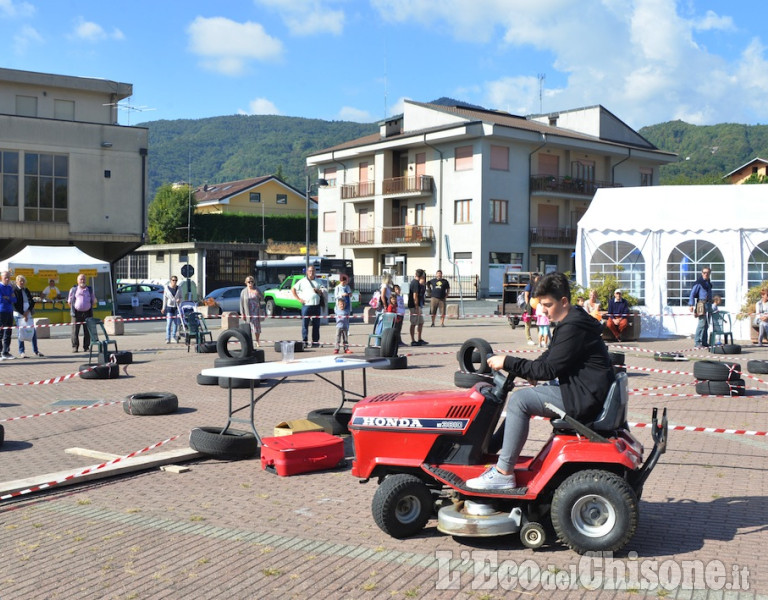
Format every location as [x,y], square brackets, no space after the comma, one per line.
[542,77]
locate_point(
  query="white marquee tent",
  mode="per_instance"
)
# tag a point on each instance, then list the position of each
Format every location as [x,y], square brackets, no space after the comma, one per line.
[657,239]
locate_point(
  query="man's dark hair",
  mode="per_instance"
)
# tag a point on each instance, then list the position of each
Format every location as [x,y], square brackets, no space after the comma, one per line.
[420,273]
[555,285]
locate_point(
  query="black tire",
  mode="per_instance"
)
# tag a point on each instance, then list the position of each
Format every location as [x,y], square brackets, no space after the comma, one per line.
[372,352]
[123,357]
[735,387]
[393,363]
[337,424]
[758,367]
[533,535]
[619,369]
[156,304]
[233,362]
[111,371]
[725,349]
[232,445]
[471,349]
[222,344]
[617,358]
[389,343]
[238,383]
[2,435]
[271,309]
[712,370]
[402,505]
[257,355]
[468,380]
[207,347]
[298,346]
[207,379]
[594,510]
[151,403]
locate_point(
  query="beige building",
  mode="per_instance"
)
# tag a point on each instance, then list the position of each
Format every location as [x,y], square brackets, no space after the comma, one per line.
[757,167]
[481,189]
[69,174]
[257,196]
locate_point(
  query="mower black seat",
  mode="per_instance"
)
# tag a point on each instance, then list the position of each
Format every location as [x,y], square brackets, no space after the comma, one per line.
[614,413]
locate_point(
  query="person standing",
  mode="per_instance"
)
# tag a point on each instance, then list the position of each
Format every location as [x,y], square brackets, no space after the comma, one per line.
[310,293]
[528,311]
[617,315]
[82,301]
[25,308]
[342,325]
[7,300]
[171,301]
[250,307]
[439,289]
[700,301]
[415,302]
[385,291]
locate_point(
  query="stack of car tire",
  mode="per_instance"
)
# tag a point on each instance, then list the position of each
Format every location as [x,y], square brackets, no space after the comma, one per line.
[715,378]
[245,354]
[108,370]
[725,349]
[473,365]
[388,351]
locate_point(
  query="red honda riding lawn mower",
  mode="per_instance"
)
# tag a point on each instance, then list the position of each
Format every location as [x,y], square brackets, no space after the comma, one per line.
[422,447]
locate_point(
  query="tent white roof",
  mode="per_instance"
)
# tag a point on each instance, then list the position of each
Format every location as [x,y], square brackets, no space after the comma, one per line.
[65,259]
[671,208]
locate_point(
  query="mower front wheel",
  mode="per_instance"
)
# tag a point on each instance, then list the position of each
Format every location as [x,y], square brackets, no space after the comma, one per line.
[402,505]
[594,511]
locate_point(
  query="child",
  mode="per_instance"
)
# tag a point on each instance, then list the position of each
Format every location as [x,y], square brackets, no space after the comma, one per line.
[342,326]
[392,306]
[542,322]
[400,313]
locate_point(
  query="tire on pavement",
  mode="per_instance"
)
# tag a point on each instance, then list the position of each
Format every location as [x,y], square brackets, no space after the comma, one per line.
[207,379]
[389,343]
[123,357]
[725,349]
[233,362]
[2,435]
[735,387]
[372,352]
[109,371]
[393,363]
[234,444]
[335,424]
[759,367]
[298,346]
[222,344]
[151,403]
[238,383]
[467,355]
[617,358]
[712,370]
[207,347]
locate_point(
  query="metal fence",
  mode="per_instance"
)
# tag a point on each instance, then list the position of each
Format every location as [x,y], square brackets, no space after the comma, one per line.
[466,284]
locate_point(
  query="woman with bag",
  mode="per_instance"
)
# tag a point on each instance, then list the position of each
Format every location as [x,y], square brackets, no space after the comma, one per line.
[24,308]
[170,308]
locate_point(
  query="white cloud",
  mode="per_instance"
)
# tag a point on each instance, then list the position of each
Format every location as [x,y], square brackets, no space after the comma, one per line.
[349,113]
[9,8]
[260,106]
[712,21]
[24,38]
[226,46]
[307,17]
[89,31]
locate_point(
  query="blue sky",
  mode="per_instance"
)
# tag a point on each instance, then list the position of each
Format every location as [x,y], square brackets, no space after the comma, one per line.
[647,61]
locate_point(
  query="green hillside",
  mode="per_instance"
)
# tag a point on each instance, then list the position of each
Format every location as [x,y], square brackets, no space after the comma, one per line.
[706,152]
[240,146]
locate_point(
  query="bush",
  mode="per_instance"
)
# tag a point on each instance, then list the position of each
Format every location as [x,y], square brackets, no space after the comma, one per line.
[750,299]
[604,285]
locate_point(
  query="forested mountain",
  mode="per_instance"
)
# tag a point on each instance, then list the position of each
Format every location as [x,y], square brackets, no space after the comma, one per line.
[706,152]
[240,146]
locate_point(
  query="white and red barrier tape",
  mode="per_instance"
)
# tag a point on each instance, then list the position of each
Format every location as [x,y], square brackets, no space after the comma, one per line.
[63,410]
[86,471]
[61,378]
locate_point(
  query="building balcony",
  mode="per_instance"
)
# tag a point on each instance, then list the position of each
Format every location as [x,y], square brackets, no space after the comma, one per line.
[411,235]
[549,184]
[361,189]
[553,236]
[357,237]
[408,185]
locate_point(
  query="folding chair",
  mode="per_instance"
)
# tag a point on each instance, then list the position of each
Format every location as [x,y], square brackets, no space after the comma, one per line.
[197,329]
[383,321]
[721,328]
[95,325]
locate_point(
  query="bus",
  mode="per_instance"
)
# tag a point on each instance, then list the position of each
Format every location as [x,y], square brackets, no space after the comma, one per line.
[271,273]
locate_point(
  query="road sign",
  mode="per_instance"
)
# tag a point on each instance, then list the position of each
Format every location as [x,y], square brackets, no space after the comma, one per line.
[187,271]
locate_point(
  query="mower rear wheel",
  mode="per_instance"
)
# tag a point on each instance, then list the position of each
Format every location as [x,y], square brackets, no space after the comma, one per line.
[594,510]
[402,505]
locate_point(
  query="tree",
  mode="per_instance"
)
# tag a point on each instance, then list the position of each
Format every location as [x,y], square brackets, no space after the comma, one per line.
[168,214]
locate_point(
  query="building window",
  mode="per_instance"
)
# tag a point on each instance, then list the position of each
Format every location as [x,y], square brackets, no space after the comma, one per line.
[64,110]
[133,266]
[623,261]
[254,196]
[684,266]
[757,266]
[500,158]
[419,214]
[583,169]
[505,258]
[463,160]
[329,174]
[9,185]
[499,211]
[183,257]
[160,256]
[461,211]
[329,221]
[282,198]
[26,106]
[46,187]
[646,177]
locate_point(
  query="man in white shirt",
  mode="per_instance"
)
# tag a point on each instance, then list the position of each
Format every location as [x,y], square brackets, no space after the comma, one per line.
[309,292]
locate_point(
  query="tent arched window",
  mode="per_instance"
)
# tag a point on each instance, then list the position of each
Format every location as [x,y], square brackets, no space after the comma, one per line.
[685,264]
[623,261]
[758,265]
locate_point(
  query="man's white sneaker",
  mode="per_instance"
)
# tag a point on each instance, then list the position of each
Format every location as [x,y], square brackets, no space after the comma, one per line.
[531,343]
[22,355]
[492,480]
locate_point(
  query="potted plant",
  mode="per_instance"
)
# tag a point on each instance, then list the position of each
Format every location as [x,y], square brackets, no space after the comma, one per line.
[747,310]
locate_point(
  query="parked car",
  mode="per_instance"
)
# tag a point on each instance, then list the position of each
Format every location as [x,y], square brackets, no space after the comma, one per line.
[227,298]
[150,295]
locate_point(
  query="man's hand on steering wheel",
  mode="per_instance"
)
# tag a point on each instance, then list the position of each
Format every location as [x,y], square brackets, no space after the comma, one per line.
[496,362]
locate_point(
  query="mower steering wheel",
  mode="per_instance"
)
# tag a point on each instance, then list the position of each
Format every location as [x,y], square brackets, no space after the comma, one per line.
[502,386]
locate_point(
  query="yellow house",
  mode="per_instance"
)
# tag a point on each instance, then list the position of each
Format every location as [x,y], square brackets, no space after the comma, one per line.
[757,166]
[257,196]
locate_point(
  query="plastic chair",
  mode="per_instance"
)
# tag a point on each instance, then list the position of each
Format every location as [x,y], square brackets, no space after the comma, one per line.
[721,328]
[383,321]
[95,326]
[197,329]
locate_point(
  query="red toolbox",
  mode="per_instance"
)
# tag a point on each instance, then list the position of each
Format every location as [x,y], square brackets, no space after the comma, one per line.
[301,452]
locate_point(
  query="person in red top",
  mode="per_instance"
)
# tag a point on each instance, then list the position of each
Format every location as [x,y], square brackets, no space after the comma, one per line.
[82,301]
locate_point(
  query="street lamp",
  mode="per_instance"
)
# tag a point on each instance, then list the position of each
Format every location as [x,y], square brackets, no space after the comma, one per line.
[320,183]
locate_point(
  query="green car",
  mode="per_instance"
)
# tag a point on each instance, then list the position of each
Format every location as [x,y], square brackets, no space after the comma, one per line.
[281,298]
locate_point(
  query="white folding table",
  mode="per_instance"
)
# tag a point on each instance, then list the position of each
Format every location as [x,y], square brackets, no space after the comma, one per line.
[282,370]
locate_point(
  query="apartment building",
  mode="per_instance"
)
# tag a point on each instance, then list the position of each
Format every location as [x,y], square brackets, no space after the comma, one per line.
[69,174]
[444,185]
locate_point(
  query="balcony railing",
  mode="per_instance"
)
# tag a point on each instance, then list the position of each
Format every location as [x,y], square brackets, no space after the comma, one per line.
[408,185]
[361,189]
[568,185]
[357,237]
[553,235]
[408,234]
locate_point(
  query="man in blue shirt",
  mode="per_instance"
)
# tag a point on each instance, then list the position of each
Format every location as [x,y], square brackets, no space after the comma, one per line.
[7,299]
[701,292]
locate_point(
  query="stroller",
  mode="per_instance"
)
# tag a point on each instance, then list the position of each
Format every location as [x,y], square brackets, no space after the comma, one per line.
[186,308]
